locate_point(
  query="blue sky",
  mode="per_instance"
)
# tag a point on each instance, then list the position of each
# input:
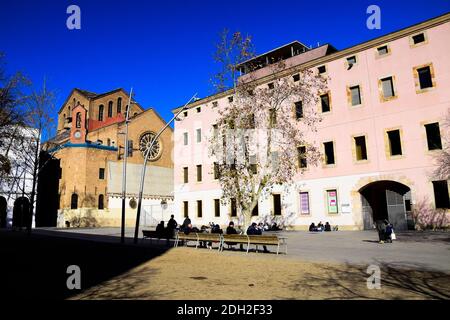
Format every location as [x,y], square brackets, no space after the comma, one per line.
[164,49]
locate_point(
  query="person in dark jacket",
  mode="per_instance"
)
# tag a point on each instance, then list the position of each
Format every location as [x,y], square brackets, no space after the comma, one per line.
[253,230]
[381,228]
[327,227]
[160,229]
[231,230]
[388,231]
[186,222]
[312,227]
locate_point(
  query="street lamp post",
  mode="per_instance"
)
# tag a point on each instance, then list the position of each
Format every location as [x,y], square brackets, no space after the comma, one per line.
[124,169]
[147,152]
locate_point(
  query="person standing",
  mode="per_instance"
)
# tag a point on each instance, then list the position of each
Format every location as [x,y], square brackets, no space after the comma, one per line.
[381,228]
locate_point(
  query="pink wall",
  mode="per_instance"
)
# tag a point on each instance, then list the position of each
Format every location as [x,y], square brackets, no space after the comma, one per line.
[409,111]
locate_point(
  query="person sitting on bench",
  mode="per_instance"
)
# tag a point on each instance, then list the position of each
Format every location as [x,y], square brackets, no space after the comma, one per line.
[312,227]
[232,230]
[327,227]
[254,231]
[160,229]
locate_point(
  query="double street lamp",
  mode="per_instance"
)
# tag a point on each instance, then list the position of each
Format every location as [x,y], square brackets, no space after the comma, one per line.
[144,168]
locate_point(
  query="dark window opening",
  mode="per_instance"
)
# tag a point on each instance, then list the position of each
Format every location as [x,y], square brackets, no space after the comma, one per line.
[100,112]
[383,50]
[387,85]
[441,198]
[395,145]
[329,152]
[185,175]
[433,136]
[325,102]
[185,209]
[119,105]
[199,109]
[322,69]
[216,171]
[351,61]
[361,148]
[296,77]
[199,173]
[230,99]
[255,211]
[101,173]
[216,207]
[356,95]
[277,204]
[418,38]
[425,79]
[302,162]
[101,204]
[271,86]
[298,110]
[78,120]
[199,208]
[110,109]
[233,208]
[74,201]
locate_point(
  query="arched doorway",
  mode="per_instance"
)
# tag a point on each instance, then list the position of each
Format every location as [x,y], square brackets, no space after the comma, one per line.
[3,212]
[385,199]
[21,213]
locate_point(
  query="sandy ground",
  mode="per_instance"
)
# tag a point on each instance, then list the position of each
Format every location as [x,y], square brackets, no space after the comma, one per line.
[187,273]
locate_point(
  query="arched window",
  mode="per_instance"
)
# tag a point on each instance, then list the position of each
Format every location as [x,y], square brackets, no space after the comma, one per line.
[64,115]
[74,102]
[126,110]
[135,114]
[119,105]
[110,109]
[100,112]
[69,111]
[74,201]
[78,120]
[100,202]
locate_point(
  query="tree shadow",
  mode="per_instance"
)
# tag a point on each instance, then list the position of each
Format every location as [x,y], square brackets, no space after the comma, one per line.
[35,266]
[397,282]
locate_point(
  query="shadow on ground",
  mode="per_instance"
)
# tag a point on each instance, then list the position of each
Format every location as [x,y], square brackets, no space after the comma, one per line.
[397,282]
[35,266]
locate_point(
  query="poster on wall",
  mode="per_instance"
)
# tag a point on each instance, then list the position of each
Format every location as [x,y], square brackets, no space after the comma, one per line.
[332,201]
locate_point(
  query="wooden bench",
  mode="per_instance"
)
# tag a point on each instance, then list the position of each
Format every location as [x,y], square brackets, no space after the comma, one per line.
[211,237]
[265,240]
[149,234]
[181,236]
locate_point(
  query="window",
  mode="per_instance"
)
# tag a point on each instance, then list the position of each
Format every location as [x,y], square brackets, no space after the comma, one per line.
[199,208]
[355,95]
[216,171]
[382,50]
[119,105]
[199,135]
[418,38]
[185,209]
[74,201]
[329,152]
[351,61]
[296,77]
[425,79]
[441,198]
[78,120]
[215,104]
[395,145]
[101,204]
[322,69]
[130,148]
[185,114]
[108,142]
[230,99]
[271,86]
[135,114]
[298,110]
[199,109]
[273,116]
[277,204]
[216,207]
[325,102]
[186,175]
[185,138]
[387,86]
[199,173]
[110,109]
[433,136]
[100,112]
[101,173]
[302,162]
[360,148]
[233,208]
[304,203]
[253,164]
[332,204]
[255,211]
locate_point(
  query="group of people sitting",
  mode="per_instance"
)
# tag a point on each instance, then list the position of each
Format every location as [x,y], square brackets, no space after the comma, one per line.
[321,227]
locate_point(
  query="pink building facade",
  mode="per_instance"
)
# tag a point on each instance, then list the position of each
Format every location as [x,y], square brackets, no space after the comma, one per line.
[383,124]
